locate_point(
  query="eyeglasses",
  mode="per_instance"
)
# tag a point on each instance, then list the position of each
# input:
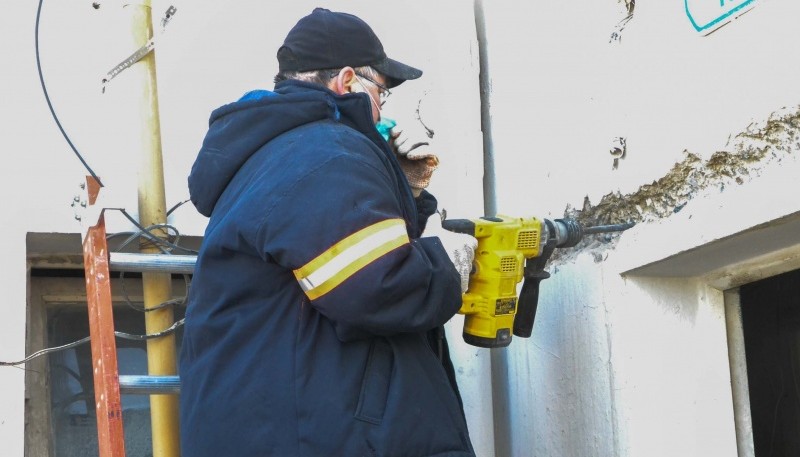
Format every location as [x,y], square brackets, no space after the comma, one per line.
[383,91]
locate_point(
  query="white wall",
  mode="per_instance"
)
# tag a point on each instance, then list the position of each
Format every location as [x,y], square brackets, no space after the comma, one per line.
[633,365]
[616,366]
[562,91]
[629,354]
[211,53]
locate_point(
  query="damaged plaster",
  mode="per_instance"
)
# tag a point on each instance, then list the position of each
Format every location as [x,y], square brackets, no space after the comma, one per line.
[616,36]
[745,155]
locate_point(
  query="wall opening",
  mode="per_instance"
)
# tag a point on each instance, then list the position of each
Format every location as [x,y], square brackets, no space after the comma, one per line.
[60,404]
[770,311]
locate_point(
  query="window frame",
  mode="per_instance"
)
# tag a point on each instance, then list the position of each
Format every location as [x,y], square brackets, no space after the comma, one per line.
[44,294]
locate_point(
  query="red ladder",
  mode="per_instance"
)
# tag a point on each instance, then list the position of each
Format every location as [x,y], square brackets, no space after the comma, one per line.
[108,384]
[108,403]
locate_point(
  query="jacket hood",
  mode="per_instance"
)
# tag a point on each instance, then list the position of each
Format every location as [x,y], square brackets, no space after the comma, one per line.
[239,129]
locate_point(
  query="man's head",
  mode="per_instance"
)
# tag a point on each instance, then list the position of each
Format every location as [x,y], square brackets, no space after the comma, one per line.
[327,40]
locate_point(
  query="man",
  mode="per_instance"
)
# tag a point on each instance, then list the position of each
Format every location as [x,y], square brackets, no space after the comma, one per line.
[308,329]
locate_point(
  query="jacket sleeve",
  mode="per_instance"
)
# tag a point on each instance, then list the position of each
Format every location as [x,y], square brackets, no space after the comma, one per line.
[340,230]
[426,206]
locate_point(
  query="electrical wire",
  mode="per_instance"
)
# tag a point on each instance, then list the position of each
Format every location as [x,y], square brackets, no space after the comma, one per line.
[50,104]
[140,233]
[47,351]
[143,232]
[147,234]
[149,229]
[176,206]
[174,301]
[149,336]
[123,335]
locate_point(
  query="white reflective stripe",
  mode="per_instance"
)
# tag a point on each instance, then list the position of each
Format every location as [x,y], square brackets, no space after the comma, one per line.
[351,255]
[306,285]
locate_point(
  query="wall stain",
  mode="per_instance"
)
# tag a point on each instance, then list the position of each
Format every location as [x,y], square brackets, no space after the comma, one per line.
[745,155]
[616,35]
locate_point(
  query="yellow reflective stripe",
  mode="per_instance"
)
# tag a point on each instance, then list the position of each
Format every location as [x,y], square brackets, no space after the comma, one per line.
[350,255]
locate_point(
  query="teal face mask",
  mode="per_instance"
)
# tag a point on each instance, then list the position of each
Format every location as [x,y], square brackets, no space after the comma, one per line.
[385,126]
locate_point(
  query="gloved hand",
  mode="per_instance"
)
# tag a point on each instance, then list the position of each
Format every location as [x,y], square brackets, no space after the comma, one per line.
[413,151]
[460,247]
[407,138]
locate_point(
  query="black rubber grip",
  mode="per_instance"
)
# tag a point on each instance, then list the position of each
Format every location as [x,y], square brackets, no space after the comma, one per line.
[459,226]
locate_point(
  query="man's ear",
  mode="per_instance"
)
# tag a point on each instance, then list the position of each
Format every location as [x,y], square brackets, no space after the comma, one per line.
[344,81]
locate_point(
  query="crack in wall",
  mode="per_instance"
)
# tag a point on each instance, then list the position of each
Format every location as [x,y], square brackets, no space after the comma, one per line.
[744,157]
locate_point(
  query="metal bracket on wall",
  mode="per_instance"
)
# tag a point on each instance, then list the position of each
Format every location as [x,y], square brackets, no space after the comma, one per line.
[139,53]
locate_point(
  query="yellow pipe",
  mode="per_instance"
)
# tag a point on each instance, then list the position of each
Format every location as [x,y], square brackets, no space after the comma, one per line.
[157,288]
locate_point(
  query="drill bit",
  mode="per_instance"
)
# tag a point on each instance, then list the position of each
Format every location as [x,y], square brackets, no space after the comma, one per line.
[608,228]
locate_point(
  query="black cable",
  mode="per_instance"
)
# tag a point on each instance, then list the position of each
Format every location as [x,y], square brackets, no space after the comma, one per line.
[146,233]
[152,237]
[50,105]
[47,351]
[123,335]
[176,206]
[150,336]
[148,229]
[174,301]
[140,233]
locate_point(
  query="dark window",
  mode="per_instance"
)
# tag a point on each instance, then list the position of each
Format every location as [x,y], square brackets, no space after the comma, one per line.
[771,322]
[62,387]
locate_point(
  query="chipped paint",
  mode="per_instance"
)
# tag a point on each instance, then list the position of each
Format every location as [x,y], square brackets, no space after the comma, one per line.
[616,36]
[745,155]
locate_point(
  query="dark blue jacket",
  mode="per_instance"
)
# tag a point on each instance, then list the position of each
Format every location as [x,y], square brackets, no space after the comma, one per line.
[306,325]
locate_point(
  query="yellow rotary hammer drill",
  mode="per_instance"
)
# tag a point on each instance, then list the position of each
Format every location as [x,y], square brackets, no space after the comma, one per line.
[511,249]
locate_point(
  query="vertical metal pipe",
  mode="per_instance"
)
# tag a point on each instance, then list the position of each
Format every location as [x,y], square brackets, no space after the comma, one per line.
[743,420]
[161,354]
[485,83]
[498,357]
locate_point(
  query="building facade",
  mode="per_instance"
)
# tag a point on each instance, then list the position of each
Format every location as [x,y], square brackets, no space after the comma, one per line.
[676,337]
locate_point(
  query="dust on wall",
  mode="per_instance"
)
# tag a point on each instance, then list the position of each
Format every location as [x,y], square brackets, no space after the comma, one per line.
[745,155]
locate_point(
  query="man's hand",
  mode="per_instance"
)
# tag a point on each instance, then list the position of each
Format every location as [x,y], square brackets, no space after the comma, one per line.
[413,151]
[460,247]
[407,138]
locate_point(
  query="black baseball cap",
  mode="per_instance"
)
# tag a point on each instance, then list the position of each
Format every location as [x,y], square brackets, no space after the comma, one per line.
[326,39]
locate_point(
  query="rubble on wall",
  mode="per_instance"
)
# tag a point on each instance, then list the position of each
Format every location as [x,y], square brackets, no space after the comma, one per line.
[745,155]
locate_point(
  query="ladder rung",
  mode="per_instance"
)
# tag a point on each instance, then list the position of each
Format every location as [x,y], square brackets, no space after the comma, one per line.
[146,385]
[165,263]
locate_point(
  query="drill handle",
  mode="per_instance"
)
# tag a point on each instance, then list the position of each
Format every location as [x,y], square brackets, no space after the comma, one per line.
[529,295]
[528,303]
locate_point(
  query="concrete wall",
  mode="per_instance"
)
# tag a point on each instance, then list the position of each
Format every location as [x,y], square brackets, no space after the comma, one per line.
[211,53]
[563,89]
[628,355]
[630,351]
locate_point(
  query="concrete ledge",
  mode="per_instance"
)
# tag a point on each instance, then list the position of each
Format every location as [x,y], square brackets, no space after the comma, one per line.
[754,227]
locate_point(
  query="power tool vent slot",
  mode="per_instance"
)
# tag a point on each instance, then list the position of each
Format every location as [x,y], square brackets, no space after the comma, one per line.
[527,239]
[508,264]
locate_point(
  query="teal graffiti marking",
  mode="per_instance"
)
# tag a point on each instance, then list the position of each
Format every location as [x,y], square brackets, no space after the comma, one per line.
[723,14]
